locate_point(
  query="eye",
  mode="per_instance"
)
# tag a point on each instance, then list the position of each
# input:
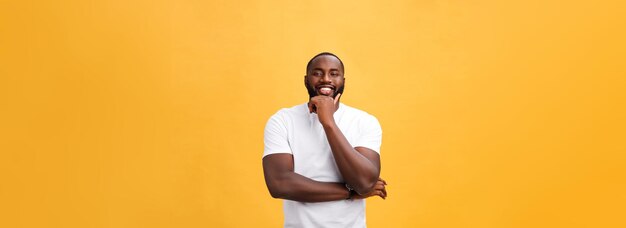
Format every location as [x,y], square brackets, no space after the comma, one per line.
[334,74]
[317,73]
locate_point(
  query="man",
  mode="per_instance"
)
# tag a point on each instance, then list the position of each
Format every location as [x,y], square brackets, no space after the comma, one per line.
[322,157]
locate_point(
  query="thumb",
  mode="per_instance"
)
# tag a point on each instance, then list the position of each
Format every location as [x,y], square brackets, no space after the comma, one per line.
[337,98]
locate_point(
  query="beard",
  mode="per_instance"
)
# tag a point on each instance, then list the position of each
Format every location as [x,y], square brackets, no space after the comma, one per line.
[313,92]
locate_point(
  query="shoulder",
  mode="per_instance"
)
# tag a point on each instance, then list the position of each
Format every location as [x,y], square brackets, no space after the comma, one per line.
[361,115]
[290,113]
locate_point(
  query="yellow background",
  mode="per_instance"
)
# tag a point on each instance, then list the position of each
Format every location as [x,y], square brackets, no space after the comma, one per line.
[151,113]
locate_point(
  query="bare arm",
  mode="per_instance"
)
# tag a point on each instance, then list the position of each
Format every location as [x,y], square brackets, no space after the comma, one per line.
[284,183]
[360,166]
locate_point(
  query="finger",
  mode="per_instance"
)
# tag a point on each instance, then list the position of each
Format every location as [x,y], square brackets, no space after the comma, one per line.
[379,186]
[380,193]
[381,179]
[337,98]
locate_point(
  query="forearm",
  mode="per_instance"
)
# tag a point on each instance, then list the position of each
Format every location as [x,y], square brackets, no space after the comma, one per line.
[357,170]
[293,186]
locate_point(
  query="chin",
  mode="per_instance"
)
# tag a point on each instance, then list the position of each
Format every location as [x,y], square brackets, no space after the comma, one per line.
[333,95]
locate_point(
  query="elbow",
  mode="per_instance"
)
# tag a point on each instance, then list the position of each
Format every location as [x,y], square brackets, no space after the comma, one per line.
[279,186]
[365,185]
[364,189]
[275,189]
[276,193]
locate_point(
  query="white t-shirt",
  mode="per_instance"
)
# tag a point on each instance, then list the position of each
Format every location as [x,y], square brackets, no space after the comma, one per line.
[296,131]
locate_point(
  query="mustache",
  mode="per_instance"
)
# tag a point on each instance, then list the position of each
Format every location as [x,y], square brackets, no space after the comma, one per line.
[313,92]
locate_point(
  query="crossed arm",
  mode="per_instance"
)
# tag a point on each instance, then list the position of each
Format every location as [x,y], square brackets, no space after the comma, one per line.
[359,167]
[284,183]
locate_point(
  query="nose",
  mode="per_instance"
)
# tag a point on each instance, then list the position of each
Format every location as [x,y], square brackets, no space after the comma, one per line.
[325,78]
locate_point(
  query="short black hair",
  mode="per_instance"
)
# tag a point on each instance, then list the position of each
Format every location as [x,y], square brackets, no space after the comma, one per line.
[308,65]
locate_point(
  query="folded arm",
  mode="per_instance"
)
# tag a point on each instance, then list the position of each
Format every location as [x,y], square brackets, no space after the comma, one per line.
[360,166]
[284,183]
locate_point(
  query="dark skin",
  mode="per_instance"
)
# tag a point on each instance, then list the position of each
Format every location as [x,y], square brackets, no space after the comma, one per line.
[359,166]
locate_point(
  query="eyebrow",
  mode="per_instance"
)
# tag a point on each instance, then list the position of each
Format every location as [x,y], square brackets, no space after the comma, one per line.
[333,69]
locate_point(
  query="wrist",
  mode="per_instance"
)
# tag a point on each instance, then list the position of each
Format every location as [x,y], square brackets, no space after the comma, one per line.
[329,124]
[351,192]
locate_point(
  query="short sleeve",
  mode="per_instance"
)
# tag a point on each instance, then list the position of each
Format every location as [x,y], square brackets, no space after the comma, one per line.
[370,134]
[276,136]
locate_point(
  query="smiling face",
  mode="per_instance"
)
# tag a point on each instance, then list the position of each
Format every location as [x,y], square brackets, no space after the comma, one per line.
[324,76]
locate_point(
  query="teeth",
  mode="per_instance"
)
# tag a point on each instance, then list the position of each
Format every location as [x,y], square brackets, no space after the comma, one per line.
[325,91]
